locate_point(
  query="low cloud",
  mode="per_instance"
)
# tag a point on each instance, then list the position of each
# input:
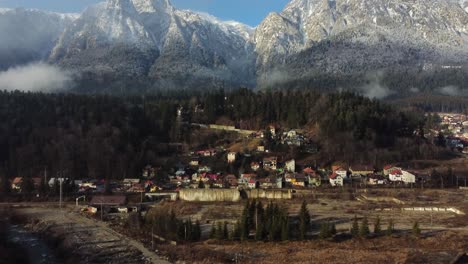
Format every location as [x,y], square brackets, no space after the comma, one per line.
[452,91]
[374,88]
[35,77]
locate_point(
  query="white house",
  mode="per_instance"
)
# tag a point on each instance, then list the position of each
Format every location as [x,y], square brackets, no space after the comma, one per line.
[407,177]
[231,157]
[290,165]
[395,175]
[336,180]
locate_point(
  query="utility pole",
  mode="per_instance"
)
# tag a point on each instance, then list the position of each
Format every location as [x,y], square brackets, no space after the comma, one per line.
[61,182]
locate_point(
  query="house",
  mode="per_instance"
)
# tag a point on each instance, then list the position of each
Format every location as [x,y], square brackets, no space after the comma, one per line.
[373,179]
[130,182]
[339,170]
[253,183]
[108,200]
[389,168]
[408,178]
[300,180]
[335,179]
[290,165]
[361,170]
[204,169]
[273,130]
[194,162]
[270,163]
[261,148]
[395,175]
[207,152]
[245,178]
[52,181]
[231,157]
[219,183]
[289,177]
[16,183]
[231,181]
[255,166]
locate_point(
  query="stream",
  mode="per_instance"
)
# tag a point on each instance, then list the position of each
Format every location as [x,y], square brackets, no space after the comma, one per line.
[36,250]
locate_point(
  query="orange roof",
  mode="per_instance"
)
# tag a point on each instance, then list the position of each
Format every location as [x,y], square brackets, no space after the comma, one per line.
[333,176]
[17,180]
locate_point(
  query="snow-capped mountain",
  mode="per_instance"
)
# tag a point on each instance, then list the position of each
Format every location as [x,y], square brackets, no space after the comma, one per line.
[152,43]
[151,38]
[360,35]
[28,34]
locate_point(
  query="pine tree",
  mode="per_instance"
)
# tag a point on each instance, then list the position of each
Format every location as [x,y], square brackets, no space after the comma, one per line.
[225,230]
[259,231]
[213,231]
[304,221]
[355,227]
[416,229]
[333,229]
[197,231]
[364,229]
[244,222]
[285,229]
[390,228]
[5,184]
[377,227]
[219,231]
[27,185]
[324,230]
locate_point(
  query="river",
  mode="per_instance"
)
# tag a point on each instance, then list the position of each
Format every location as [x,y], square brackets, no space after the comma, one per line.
[33,249]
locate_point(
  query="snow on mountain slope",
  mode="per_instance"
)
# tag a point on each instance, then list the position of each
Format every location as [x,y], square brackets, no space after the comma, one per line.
[152,40]
[182,42]
[424,29]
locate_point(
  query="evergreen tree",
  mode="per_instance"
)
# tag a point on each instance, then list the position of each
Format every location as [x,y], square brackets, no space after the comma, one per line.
[390,228]
[416,229]
[172,223]
[196,234]
[225,230]
[181,231]
[364,229]
[285,229]
[355,227]
[5,186]
[333,229]
[236,231]
[259,232]
[219,231]
[244,222]
[27,185]
[324,230]
[304,221]
[377,227]
[213,231]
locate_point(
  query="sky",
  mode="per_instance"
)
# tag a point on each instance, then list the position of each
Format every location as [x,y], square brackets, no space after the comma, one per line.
[250,12]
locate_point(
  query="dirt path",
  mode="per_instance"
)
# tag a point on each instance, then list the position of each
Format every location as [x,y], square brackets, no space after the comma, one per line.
[93,241]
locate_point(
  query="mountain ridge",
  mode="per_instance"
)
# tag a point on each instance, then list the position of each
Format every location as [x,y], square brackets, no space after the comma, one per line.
[154,44]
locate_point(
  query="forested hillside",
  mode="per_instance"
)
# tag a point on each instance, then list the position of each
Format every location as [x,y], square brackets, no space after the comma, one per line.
[113,137]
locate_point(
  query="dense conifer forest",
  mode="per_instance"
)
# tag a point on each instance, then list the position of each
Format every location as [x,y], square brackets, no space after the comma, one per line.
[114,137]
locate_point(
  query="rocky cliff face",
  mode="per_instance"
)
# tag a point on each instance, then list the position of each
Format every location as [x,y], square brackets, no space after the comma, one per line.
[151,38]
[150,43]
[347,36]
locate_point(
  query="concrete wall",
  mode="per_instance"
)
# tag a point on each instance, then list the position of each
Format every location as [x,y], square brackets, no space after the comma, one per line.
[231,195]
[268,194]
[209,195]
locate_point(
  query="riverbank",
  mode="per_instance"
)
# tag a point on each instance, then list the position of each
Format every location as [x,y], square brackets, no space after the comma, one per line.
[10,252]
[82,240]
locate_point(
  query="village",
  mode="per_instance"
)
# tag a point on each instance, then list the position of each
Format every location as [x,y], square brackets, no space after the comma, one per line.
[259,169]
